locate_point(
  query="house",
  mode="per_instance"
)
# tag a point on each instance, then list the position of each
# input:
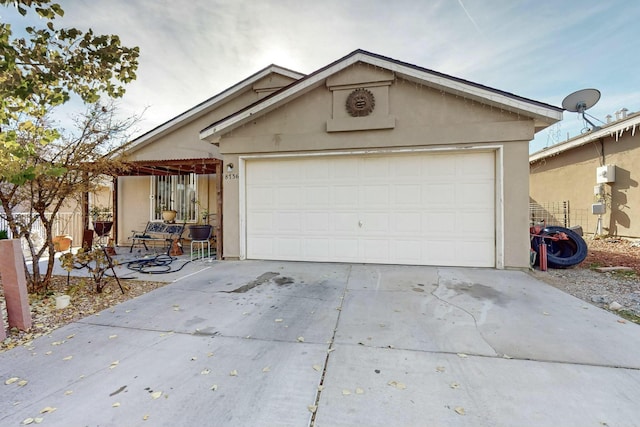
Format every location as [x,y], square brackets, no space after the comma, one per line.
[368,160]
[595,175]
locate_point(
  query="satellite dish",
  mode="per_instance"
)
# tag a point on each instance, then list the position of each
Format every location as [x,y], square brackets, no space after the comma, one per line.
[580,101]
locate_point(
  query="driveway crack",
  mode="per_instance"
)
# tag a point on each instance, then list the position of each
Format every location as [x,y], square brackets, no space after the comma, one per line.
[330,349]
[464,310]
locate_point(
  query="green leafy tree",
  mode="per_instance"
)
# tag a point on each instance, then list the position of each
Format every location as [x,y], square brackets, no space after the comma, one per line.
[39,73]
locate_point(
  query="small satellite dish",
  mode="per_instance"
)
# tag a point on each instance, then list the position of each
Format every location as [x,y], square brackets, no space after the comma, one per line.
[580,101]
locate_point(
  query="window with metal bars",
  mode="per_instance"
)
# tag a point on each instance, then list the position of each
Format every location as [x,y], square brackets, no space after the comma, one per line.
[175,192]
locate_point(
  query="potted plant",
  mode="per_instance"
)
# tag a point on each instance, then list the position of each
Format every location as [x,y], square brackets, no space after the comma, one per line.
[62,241]
[168,214]
[201,230]
[102,220]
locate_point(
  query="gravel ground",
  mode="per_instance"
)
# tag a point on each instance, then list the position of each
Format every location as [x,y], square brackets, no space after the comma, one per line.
[605,290]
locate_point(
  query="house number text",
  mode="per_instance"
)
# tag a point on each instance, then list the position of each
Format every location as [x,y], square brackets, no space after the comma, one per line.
[231,176]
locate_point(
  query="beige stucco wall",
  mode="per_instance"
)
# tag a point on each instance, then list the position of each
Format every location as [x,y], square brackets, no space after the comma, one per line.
[421,117]
[571,176]
[182,142]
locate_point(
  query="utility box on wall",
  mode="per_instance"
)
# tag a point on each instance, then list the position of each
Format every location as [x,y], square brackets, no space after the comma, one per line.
[606,174]
[598,208]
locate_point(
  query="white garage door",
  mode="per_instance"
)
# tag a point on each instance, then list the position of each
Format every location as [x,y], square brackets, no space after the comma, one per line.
[422,209]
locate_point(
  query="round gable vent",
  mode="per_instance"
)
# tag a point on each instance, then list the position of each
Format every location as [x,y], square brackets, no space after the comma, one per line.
[360,103]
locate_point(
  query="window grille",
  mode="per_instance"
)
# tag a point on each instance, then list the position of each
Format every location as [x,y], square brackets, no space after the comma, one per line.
[174,192]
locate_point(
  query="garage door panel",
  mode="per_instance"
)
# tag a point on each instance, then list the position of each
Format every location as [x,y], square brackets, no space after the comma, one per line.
[428,209]
[405,222]
[405,251]
[346,249]
[260,196]
[408,195]
[344,195]
[316,222]
[288,222]
[345,222]
[375,195]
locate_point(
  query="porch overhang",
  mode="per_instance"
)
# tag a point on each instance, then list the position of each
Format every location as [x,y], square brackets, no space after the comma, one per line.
[203,166]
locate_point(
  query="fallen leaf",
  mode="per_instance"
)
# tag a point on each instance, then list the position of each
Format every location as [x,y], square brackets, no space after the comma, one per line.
[214,387]
[359,390]
[116,404]
[312,408]
[27,421]
[11,380]
[454,385]
[330,350]
[320,387]
[205,372]
[22,383]
[440,369]
[397,384]
[300,339]
[233,373]
[156,394]
[278,320]
[68,392]
[47,409]
[38,420]
[48,353]
[622,321]
[545,313]
[266,369]
[194,358]
[209,354]
[459,410]
[71,336]
[317,367]
[112,337]
[462,355]
[346,392]
[145,418]
[506,356]
[68,358]
[114,364]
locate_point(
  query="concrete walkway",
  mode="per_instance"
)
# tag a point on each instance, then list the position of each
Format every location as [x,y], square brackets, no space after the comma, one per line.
[266,343]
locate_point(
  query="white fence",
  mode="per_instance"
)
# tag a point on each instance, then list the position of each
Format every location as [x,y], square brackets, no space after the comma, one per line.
[69,223]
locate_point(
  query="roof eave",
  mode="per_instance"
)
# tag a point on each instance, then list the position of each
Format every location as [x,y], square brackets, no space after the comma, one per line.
[209,105]
[616,128]
[543,114]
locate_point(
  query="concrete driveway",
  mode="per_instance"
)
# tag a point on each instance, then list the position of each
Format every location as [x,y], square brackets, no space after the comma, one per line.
[267,343]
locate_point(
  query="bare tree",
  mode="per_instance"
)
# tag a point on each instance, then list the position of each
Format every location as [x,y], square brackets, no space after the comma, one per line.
[75,164]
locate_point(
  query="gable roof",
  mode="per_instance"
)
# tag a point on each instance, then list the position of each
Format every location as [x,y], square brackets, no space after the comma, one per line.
[210,104]
[543,114]
[615,130]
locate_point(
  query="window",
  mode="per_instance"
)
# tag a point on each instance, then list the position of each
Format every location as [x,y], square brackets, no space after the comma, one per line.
[175,192]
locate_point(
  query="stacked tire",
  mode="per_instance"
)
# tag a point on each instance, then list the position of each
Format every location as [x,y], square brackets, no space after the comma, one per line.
[561,253]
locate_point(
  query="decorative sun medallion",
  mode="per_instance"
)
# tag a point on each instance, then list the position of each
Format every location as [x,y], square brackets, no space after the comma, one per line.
[360,103]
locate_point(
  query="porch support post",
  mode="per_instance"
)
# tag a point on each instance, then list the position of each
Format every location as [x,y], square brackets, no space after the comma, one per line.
[114,228]
[219,209]
[85,205]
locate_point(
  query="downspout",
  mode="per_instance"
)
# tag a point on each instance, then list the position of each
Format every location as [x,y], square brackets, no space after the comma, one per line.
[602,161]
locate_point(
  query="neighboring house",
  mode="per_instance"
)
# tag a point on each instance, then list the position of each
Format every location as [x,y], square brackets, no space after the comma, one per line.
[370,160]
[576,173]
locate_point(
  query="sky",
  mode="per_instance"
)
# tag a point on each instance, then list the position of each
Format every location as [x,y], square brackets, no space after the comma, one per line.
[544,50]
